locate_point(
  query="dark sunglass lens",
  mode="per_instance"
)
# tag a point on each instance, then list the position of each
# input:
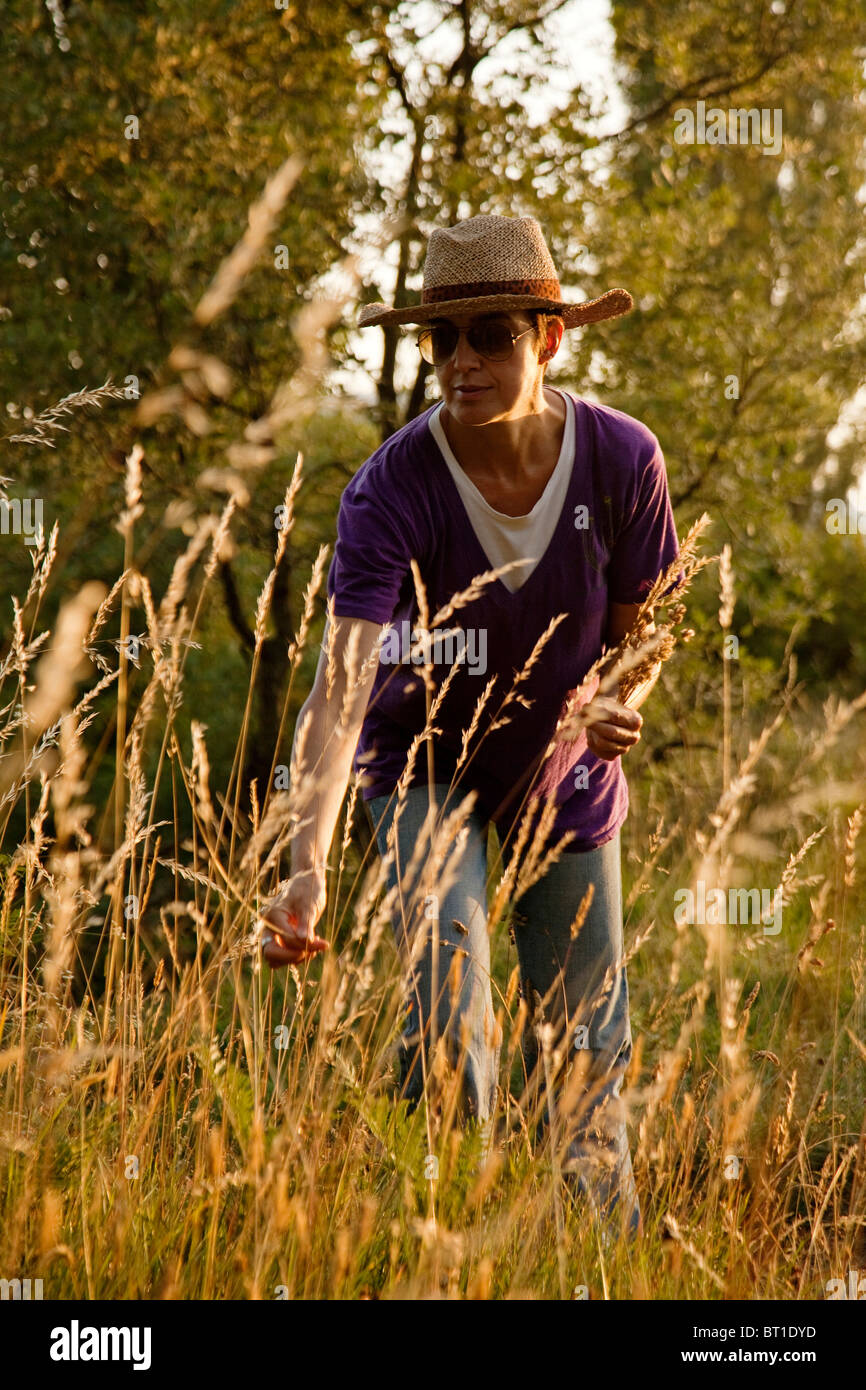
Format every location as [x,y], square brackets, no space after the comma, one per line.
[444,340]
[492,339]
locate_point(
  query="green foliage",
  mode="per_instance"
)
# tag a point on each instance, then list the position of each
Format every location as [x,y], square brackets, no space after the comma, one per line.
[746,269]
[295,1168]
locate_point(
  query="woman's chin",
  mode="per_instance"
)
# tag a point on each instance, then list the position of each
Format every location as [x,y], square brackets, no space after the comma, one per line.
[472,408]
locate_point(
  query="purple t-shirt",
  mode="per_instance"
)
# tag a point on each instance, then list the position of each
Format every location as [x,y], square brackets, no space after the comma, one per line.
[614,535]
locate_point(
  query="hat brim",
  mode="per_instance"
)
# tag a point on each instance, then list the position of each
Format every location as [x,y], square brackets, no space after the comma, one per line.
[609,305]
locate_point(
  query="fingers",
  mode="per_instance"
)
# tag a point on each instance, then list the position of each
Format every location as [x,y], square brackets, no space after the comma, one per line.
[615,732]
[615,735]
[277,958]
[288,937]
[290,946]
[609,748]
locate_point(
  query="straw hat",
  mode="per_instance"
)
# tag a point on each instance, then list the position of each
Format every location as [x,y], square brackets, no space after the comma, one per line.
[490,263]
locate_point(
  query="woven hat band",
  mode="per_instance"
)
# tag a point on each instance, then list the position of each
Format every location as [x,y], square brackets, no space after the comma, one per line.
[482,289]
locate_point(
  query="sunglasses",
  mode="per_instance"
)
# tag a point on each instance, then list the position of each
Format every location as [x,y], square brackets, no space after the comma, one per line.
[490,338]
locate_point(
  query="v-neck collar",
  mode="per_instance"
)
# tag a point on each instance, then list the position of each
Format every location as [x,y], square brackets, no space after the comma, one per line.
[458,508]
[475,492]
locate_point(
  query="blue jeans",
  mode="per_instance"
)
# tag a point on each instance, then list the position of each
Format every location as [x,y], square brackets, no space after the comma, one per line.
[579,984]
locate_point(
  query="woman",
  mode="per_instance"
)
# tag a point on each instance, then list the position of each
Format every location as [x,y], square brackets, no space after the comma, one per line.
[571,498]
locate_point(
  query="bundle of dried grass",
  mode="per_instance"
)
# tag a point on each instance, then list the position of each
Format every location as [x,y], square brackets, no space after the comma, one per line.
[623,671]
[646,645]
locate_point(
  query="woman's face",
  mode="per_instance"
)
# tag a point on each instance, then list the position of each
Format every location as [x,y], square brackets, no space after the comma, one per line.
[477,391]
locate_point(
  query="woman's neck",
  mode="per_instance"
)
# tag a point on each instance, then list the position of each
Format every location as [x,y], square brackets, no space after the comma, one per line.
[512,449]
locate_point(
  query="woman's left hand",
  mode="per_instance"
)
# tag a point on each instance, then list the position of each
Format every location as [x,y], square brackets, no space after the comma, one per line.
[613,728]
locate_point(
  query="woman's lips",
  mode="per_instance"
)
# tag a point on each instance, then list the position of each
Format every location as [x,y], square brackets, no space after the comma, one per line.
[469,390]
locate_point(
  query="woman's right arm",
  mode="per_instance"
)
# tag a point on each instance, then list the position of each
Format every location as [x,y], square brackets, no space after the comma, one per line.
[326,736]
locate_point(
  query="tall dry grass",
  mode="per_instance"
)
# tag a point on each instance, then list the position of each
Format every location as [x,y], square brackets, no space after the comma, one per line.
[179,1122]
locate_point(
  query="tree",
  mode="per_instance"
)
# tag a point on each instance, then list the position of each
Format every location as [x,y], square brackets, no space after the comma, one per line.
[457,129]
[747,267]
[136,139]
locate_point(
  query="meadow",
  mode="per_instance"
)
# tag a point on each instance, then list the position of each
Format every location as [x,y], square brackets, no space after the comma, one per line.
[180,1122]
[177,1121]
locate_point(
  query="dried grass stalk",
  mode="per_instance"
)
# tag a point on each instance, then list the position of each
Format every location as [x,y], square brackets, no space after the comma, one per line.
[42,426]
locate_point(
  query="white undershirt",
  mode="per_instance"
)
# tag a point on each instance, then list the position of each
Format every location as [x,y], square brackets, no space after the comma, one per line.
[505,538]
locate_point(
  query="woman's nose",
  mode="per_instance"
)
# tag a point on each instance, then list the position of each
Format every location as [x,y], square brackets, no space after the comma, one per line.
[464,355]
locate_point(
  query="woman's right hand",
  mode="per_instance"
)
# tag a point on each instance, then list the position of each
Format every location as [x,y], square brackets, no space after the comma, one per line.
[289,920]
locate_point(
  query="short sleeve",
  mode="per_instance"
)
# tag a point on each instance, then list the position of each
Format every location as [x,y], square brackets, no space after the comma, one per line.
[647,540]
[371,556]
